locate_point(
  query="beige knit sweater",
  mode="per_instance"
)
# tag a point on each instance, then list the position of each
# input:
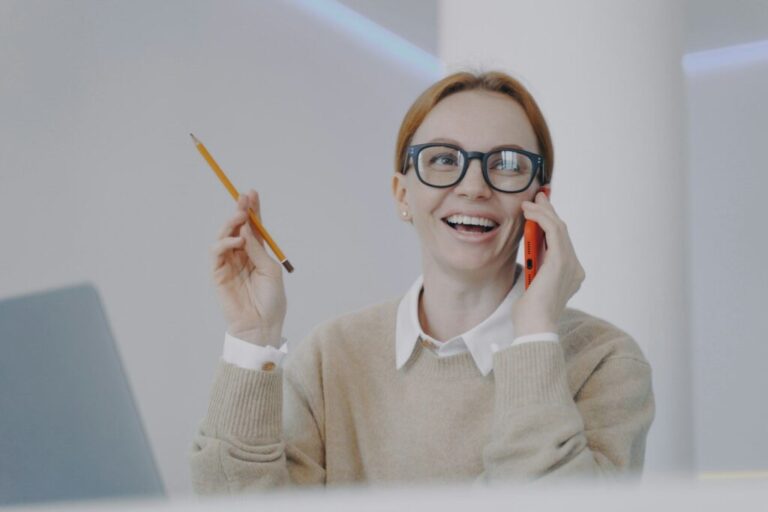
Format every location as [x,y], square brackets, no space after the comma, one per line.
[339,411]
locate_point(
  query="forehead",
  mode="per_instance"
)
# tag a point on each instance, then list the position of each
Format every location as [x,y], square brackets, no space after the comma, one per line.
[478,121]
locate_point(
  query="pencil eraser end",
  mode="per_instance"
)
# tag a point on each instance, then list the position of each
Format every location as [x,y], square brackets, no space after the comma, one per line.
[288,266]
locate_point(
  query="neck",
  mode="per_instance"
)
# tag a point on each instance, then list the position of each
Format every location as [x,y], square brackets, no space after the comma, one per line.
[450,304]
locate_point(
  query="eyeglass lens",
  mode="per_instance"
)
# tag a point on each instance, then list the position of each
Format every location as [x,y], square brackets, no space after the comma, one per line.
[508,170]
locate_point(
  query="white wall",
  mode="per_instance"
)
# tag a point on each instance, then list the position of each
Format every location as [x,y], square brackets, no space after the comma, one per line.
[99,180]
[415,21]
[607,75]
[728,127]
[711,24]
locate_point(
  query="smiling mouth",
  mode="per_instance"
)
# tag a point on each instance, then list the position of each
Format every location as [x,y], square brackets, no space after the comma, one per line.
[470,228]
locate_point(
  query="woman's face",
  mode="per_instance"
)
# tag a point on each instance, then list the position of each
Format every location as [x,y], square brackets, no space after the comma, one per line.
[475,121]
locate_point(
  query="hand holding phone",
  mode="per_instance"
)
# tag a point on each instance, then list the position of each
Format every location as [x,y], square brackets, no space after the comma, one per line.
[533,245]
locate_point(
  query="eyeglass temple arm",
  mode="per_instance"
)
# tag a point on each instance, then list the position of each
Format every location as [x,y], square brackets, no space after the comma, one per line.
[405,163]
[543,178]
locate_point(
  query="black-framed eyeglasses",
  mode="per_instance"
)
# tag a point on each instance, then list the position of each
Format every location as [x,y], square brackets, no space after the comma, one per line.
[444,165]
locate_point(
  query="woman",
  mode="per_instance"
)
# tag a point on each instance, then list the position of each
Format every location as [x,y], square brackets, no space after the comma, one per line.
[468,375]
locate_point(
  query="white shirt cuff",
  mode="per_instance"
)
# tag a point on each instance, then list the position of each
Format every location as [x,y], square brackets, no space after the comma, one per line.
[250,356]
[540,336]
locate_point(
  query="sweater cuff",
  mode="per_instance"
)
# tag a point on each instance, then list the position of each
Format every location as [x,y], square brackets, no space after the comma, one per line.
[528,338]
[530,373]
[246,404]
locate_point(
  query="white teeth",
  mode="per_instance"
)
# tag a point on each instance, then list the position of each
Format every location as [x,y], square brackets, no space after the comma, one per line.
[477,221]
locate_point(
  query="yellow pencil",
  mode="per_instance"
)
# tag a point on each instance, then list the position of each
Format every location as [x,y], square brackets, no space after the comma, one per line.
[235,195]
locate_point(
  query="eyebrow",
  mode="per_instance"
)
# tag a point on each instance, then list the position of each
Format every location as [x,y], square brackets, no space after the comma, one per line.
[451,141]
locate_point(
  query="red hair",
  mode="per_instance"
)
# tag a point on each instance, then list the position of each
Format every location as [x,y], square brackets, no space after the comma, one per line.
[493,81]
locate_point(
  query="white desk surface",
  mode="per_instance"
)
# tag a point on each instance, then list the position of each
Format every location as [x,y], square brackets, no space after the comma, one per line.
[652,495]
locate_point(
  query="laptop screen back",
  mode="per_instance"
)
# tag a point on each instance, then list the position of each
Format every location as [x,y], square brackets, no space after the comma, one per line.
[69,427]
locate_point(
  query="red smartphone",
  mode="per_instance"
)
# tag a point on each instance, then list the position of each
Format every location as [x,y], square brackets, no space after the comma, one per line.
[533,245]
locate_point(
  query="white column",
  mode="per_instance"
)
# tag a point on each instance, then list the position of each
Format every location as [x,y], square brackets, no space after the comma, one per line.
[608,76]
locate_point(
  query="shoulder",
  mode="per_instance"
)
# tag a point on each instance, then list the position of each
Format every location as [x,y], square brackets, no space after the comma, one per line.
[587,336]
[351,332]
[379,316]
[598,352]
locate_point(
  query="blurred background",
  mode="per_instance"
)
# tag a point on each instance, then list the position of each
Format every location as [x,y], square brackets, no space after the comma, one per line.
[658,115]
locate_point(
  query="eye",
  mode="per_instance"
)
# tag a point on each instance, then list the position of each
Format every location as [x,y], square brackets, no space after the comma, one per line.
[443,159]
[504,164]
[509,162]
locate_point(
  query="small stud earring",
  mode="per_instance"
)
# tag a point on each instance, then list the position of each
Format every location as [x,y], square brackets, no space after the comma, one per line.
[404,213]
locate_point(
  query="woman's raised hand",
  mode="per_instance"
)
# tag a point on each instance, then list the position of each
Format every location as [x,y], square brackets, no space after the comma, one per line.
[560,275]
[249,281]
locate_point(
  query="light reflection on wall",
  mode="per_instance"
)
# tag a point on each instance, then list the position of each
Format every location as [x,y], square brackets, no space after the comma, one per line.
[373,36]
[736,56]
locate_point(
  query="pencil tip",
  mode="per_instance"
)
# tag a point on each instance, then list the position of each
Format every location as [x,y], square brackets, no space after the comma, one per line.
[194,139]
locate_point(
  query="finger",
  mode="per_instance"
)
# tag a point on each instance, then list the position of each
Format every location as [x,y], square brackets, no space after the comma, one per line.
[236,219]
[543,206]
[255,232]
[249,230]
[252,228]
[221,247]
[552,228]
[543,199]
[262,260]
[242,201]
[255,248]
[232,224]
[254,203]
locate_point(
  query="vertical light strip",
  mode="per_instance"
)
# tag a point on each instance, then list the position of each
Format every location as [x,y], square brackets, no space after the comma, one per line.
[373,36]
[732,57]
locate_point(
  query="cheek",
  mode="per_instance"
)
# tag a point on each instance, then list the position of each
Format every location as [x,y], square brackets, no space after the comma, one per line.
[517,220]
[426,202]
[515,211]
[517,231]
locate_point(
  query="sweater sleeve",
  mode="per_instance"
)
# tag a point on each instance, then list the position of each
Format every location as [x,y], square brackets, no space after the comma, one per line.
[241,444]
[541,432]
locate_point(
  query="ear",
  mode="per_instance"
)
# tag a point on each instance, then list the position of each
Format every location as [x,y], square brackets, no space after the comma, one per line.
[399,191]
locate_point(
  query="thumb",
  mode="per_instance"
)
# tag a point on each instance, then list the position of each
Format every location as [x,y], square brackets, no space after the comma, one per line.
[253,231]
[255,248]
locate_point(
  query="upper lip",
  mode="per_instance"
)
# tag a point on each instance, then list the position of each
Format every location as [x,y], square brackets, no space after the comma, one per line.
[490,216]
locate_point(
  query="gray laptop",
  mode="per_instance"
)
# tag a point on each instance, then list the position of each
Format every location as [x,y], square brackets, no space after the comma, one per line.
[69,427]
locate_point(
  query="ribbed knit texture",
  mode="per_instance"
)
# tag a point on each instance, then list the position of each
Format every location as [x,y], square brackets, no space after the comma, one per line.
[339,411]
[530,373]
[246,404]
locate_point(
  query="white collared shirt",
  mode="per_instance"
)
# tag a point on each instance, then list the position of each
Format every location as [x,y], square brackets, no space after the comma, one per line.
[494,333]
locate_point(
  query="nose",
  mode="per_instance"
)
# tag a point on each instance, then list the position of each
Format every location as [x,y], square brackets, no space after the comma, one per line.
[473,185]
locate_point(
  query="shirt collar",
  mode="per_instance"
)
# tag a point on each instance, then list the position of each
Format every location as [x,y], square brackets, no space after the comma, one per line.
[498,326]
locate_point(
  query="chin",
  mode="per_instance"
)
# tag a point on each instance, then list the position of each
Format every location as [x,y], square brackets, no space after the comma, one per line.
[472,264]
[472,259]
